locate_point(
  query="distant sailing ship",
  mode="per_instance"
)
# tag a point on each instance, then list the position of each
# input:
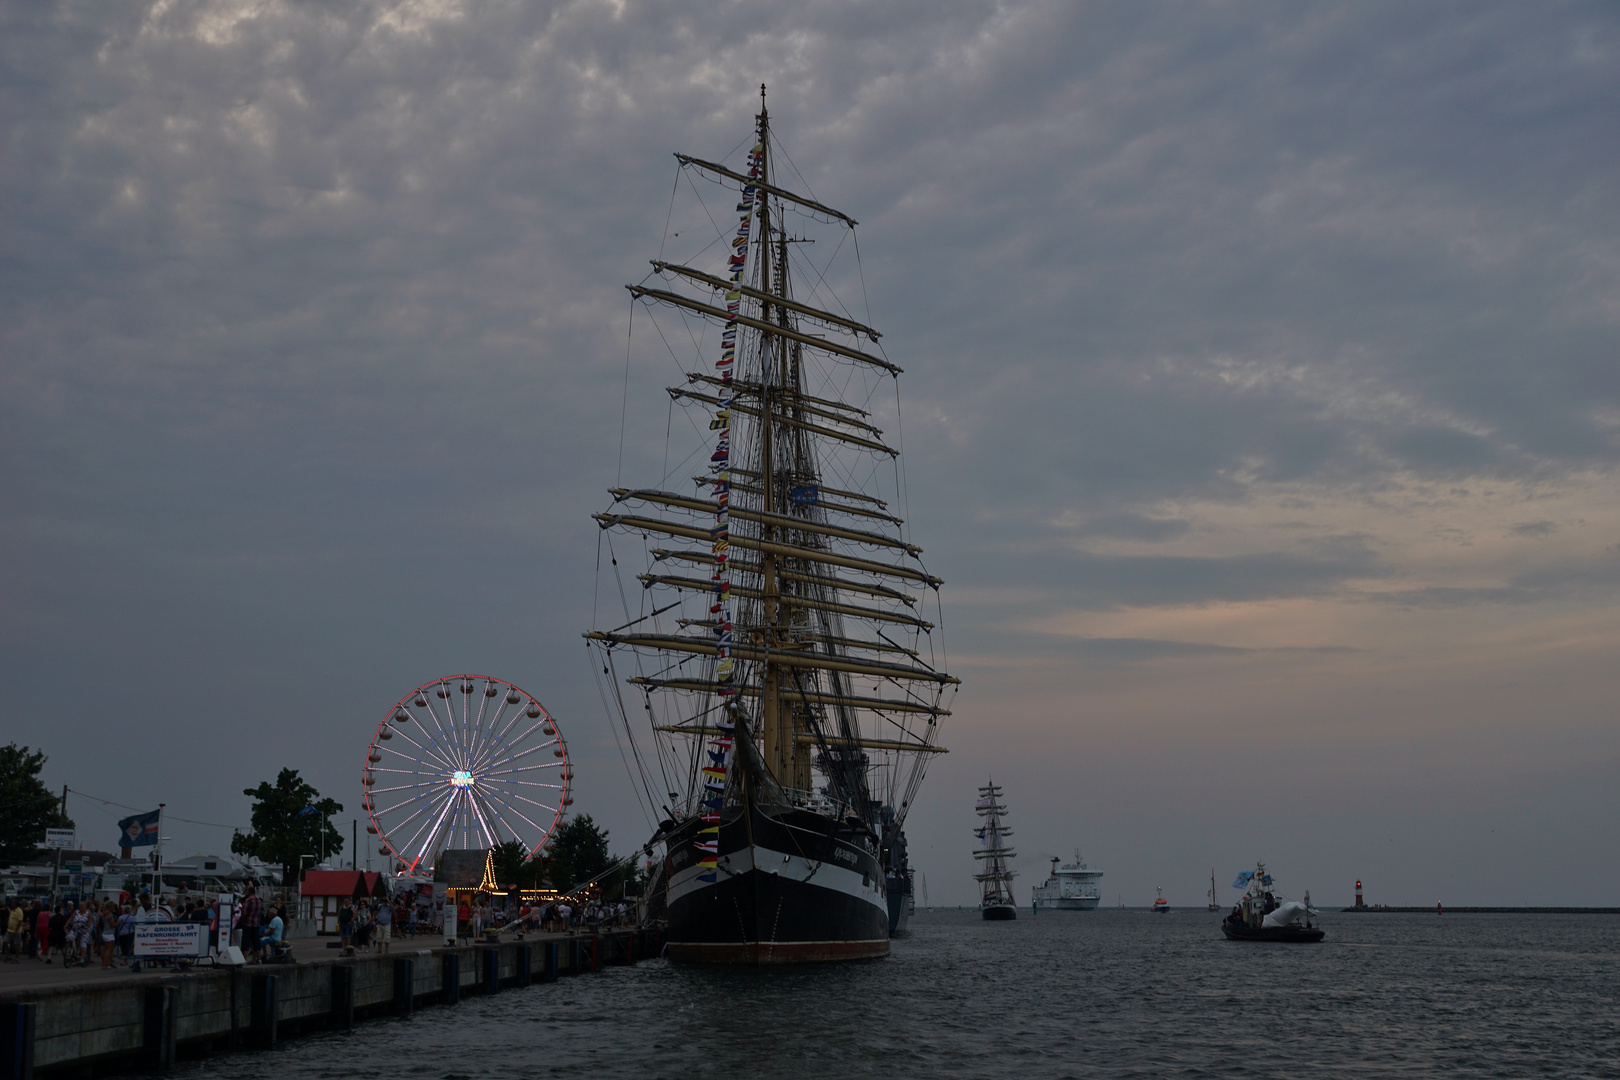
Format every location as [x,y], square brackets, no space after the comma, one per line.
[1214,902]
[784,678]
[995,880]
[1072,887]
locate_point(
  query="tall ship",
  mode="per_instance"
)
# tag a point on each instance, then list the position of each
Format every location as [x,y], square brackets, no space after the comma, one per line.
[778,686]
[1072,887]
[995,878]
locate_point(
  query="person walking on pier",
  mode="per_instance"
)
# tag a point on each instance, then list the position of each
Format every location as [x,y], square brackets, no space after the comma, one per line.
[385,925]
[76,936]
[346,928]
[14,925]
[107,933]
[57,937]
[252,916]
[126,933]
[42,932]
[362,927]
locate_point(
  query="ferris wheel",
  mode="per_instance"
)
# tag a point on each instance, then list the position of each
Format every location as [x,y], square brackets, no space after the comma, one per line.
[466,761]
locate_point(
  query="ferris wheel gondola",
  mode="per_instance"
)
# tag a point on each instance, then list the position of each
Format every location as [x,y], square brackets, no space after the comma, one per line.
[466,761]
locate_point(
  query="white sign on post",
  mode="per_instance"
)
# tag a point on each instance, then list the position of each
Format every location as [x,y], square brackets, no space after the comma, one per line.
[66,839]
[170,939]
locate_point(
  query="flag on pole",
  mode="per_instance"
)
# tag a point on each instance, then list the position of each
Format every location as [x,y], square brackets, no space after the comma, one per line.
[139,830]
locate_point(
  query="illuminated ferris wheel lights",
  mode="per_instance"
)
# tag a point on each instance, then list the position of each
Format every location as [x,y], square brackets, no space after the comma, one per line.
[466,785]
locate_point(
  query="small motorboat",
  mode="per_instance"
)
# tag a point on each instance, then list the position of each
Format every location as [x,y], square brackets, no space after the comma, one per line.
[1260,915]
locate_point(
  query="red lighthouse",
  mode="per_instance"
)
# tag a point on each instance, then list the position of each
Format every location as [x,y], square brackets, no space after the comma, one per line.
[1358,895]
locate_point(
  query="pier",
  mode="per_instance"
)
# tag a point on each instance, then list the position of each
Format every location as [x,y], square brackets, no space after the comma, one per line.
[86,1020]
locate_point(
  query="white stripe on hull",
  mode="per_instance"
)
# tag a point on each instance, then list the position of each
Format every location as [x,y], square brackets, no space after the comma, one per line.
[794,867]
[1070,903]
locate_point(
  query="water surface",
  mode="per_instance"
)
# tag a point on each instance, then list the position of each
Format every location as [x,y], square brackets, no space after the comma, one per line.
[1064,994]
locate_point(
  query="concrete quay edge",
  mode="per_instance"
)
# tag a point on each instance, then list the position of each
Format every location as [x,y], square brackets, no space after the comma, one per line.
[149,1020]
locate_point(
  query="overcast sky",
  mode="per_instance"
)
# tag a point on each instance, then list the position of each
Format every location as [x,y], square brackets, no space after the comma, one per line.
[1261,406]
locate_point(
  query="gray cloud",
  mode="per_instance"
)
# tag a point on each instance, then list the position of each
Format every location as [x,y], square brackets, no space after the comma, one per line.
[1100,582]
[1128,526]
[1123,650]
[1595,579]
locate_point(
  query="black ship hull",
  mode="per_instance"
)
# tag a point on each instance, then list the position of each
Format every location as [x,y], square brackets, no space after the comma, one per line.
[999,912]
[1238,931]
[791,887]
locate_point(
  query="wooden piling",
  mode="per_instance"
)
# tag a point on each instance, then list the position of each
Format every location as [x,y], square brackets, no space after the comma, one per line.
[262,1010]
[450,978]
[492,970]
[404,985]
[342,1010]
[17,1040]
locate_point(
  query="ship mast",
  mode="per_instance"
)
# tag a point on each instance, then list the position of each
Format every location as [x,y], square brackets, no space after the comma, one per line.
[776,748]
[819,577]
[996,877]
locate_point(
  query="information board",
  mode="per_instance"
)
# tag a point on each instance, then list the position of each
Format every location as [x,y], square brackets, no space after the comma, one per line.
[61,838]
[161,939]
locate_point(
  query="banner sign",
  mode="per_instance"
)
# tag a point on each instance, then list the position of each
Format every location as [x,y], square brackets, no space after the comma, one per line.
[61,838]
[227,918]
[171,939]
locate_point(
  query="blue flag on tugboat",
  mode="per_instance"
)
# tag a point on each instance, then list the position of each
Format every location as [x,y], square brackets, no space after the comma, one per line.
[138,831]
[1243,880]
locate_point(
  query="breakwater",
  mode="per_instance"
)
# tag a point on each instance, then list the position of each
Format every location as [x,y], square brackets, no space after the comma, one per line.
[149,1021]
[1430,909]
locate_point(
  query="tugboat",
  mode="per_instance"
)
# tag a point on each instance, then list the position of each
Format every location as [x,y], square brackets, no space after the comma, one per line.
[1260,915]
[996,898]
[1161,905]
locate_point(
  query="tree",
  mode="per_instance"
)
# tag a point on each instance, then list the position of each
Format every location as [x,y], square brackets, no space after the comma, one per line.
[27,807]
[289,820]
[579,852]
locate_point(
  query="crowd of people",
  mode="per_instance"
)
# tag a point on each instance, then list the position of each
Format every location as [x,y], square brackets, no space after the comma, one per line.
[73,933]
[76,933]
[479,914]
[371,925]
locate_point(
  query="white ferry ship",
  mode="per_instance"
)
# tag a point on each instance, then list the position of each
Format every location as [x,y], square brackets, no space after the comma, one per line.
[1072,887]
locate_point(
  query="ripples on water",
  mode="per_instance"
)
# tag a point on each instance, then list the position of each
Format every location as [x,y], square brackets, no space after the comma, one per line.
[1065,994]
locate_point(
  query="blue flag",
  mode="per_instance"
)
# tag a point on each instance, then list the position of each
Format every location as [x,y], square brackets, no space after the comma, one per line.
[141,830]
[305,812]
[1243,879]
